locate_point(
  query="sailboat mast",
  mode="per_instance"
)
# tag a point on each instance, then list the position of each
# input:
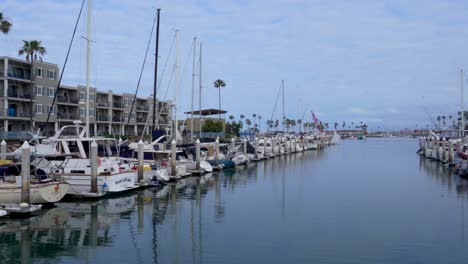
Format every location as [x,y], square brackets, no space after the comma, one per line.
[88,65]
[193,86]
[200,95]
[462,106]
[155,74]
[282,88]
[177,84]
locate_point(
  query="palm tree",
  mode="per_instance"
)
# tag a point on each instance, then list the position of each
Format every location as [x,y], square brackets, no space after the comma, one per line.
[5,24]
[248,122]
[219,84]
[242,117]
[231,117]
[438,120]
[31,49]
[259,122]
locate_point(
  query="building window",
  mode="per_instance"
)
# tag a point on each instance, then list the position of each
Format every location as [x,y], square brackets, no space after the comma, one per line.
[39,72]
[51,110]
[51,74]
[91,96]
[39,109]
[82,112]
[82,96]
[91,112]
[39,90]
[126,115]
[51,92]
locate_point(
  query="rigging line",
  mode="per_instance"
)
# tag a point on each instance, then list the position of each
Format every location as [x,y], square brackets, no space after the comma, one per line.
[276,102]
[163,71]
[166,92]
[184,66]
[167,60]
[51,109]
[139,78]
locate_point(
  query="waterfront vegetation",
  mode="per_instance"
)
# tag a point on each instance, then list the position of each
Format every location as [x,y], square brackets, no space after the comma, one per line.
[5,24]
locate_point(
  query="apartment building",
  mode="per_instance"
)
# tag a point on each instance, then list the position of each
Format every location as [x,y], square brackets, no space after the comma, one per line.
[26,97]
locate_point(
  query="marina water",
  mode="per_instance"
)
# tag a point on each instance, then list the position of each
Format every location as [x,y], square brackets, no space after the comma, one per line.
[364,201]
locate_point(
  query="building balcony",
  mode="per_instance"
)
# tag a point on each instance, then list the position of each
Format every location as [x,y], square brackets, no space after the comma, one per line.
[102,104]
[117,105]
[143,108]
[19,75]
[20,96]
[117,120]
[13,113]
[67,116]
[102,119]
[67,100]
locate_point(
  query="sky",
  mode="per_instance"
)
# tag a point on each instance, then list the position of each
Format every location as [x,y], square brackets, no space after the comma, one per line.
[390,64]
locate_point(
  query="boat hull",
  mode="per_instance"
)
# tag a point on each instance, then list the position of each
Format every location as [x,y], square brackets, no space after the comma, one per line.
[39,193]
[119,182]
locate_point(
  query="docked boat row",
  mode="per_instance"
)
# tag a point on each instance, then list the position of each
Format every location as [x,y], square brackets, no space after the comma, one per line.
[448,148]
[64,163]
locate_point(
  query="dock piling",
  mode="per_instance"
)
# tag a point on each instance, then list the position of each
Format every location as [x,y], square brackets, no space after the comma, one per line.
[94,157]
[197,154]
[3,149]
[450,159]
[141,154]
[273,146]
[256,148]
[217,151]
[25,173]
[173,158]
[244,143]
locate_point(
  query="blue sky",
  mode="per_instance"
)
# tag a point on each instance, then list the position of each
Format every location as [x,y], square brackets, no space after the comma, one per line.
[390,64]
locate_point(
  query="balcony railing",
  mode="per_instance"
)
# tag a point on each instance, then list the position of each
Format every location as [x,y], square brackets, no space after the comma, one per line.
[69,100]
[117,119]
[19,75]
[142,108]
[67,116]
[117,105]
[102,118]
[12,112]
[15,94]
[103,104]
[141,120]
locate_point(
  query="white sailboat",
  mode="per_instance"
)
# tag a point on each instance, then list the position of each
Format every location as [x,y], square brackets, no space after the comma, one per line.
[64,155]
[43,189]
[336,139]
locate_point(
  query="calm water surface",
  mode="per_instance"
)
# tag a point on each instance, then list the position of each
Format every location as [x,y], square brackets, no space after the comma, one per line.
[372,201]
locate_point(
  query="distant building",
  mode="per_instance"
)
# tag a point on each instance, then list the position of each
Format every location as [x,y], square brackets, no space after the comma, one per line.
[26,95]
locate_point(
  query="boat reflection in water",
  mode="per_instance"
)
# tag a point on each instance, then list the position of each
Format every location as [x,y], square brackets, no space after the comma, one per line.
[167,225]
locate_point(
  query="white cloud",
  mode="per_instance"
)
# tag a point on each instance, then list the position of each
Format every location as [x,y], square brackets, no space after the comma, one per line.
[333,54]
